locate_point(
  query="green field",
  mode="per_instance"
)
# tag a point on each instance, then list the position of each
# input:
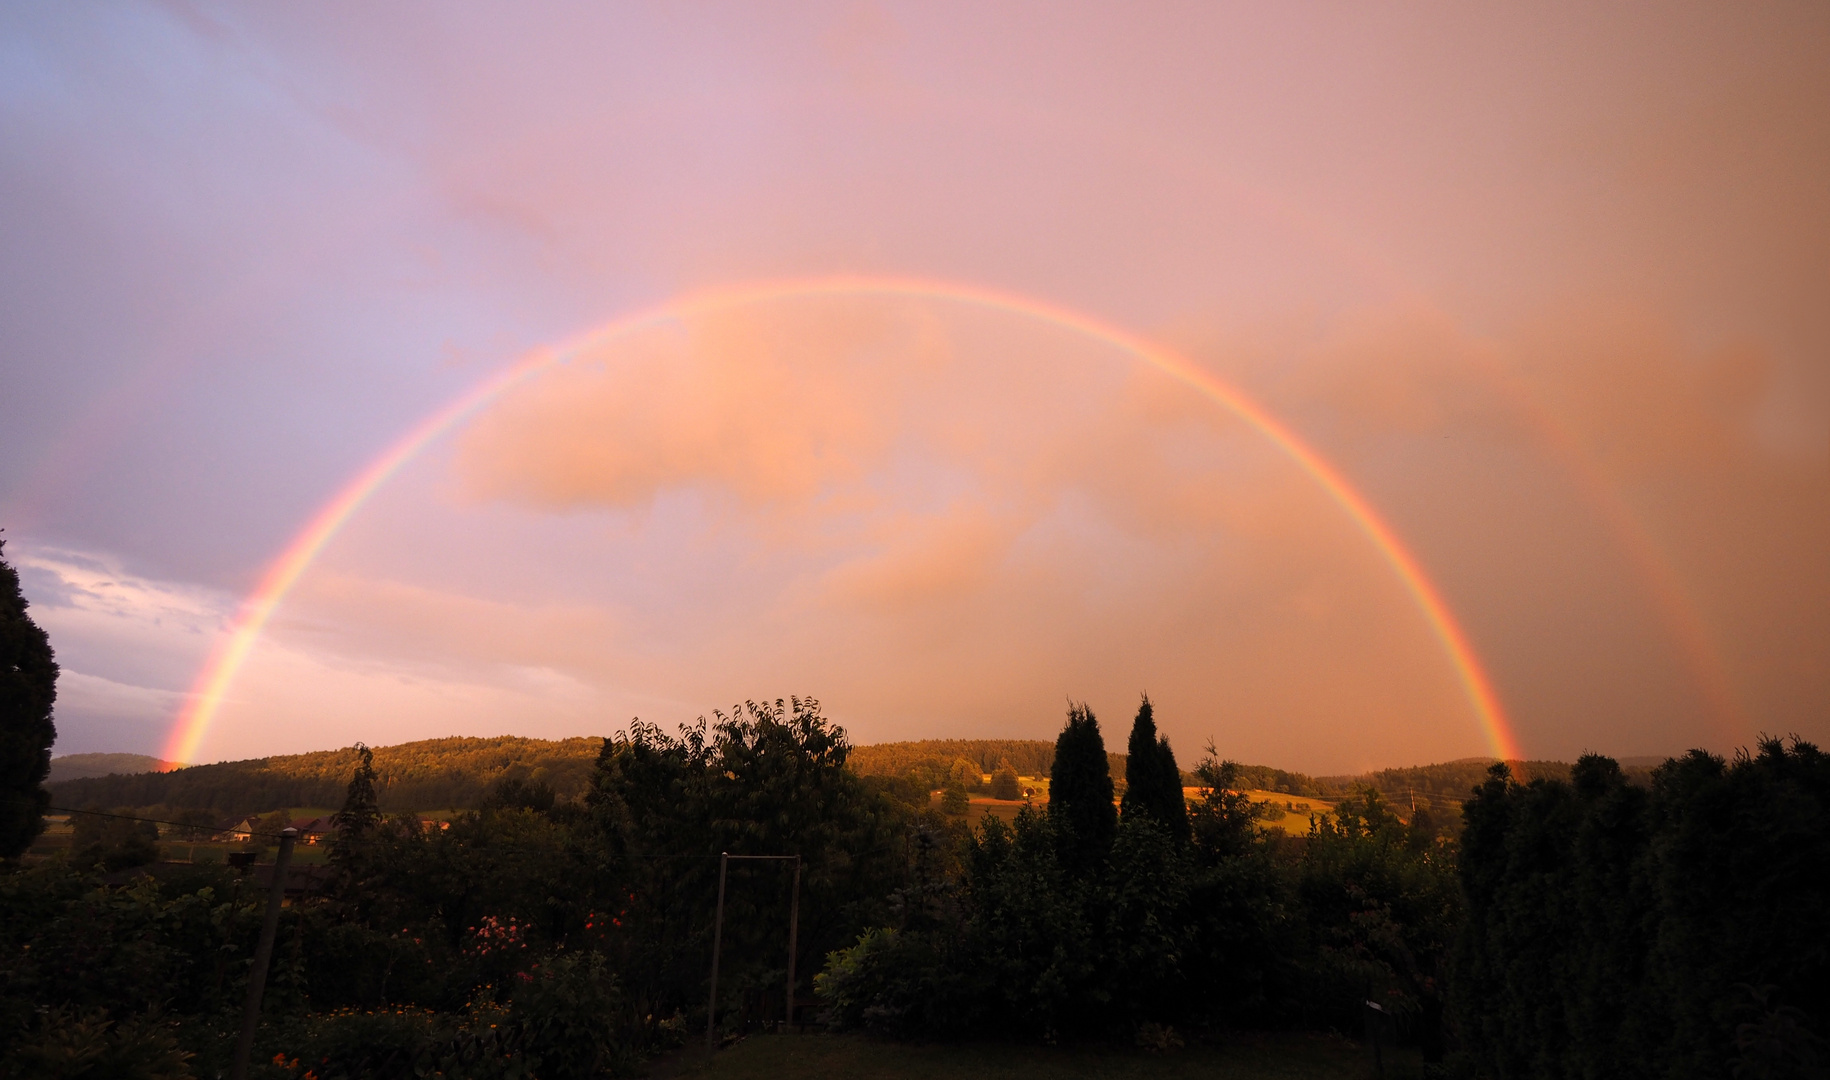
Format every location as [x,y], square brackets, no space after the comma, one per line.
[1297,810]
[819,1057]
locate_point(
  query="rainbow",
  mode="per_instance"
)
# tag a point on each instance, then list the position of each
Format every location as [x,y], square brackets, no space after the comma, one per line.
[218,674]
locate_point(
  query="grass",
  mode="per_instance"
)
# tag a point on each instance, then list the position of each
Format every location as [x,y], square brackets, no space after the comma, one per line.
[1295,822]
[1283,1056]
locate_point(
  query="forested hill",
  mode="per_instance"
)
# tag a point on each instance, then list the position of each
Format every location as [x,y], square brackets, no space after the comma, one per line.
[439,774]
[1030,757]
[77,766]
[1443,787]
[433,774]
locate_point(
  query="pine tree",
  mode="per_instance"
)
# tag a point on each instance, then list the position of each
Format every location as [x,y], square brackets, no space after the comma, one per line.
[1080,792]
[28,689]
[1153,781]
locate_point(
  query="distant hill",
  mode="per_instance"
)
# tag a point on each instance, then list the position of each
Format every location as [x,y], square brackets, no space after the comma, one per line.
[1030,757]
[1443,787]
[439,774]
[78,766]
[433,774]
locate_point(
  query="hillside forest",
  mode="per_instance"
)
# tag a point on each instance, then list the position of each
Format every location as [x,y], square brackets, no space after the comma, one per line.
[457,774]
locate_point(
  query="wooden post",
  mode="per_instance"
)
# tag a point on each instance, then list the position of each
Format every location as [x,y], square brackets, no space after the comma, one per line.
[794,927]
[1375,1017]
[711,1008]
[263,954]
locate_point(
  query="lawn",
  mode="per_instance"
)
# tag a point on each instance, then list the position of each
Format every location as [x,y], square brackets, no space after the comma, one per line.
[819,1057]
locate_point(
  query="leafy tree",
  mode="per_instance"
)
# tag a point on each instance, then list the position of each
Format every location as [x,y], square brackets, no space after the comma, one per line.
[116,843]
[1224,822]
[28,689]
[1005,783]
[1381,905]
[768,779]
[1153,781]
[519,793]
[1080,793]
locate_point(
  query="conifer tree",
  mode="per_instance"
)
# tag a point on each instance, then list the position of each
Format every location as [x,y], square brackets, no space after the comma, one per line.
[28,689]
[1080,792]
[1153,781]
[361,810]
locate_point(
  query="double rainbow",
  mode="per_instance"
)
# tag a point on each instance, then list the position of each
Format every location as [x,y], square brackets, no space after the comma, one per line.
[213,682]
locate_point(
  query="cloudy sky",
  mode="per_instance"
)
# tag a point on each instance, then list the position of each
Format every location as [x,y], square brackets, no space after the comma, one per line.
[1547,287]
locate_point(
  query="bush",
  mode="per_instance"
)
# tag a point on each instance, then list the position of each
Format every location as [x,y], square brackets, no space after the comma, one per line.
[68,1045]
[112,842]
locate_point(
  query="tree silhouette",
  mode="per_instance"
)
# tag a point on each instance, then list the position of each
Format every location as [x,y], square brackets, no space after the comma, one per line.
[1080,792]
[1153,782]
[28,689]
[361,812]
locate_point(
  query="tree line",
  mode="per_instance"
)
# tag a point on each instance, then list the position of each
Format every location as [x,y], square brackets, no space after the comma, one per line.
[425,775]
[1579,927]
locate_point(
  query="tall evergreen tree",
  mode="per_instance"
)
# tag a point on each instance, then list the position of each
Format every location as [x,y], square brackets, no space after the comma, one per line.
[1080,791]
[361,809]
[28,689]
[1153,781]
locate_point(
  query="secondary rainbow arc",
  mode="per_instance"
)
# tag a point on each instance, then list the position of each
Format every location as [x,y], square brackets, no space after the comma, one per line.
[211,687]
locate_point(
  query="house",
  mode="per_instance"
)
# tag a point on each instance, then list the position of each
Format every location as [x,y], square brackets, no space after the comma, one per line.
[244,829]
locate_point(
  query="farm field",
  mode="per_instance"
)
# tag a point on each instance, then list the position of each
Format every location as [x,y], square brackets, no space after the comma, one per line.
[58,832]
[1005,810]
[831,1057]
[1297,809]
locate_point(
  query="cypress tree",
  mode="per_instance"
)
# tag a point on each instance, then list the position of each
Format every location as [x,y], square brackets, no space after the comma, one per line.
[1080,792]
[28,689]
[1153,781]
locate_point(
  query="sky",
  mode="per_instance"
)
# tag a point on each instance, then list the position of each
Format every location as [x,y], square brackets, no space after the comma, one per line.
[1544,289]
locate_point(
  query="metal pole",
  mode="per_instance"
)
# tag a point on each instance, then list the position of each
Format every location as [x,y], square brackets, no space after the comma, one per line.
[711,1008]
[263,953]
[794,927]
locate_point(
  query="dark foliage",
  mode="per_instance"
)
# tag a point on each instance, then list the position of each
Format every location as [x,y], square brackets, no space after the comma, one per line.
[1228,927]
[1153,782]
[112,842]
[28,689]
[767,780]
[360,812]
[519,793]
[1681,931]
[1080,807]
